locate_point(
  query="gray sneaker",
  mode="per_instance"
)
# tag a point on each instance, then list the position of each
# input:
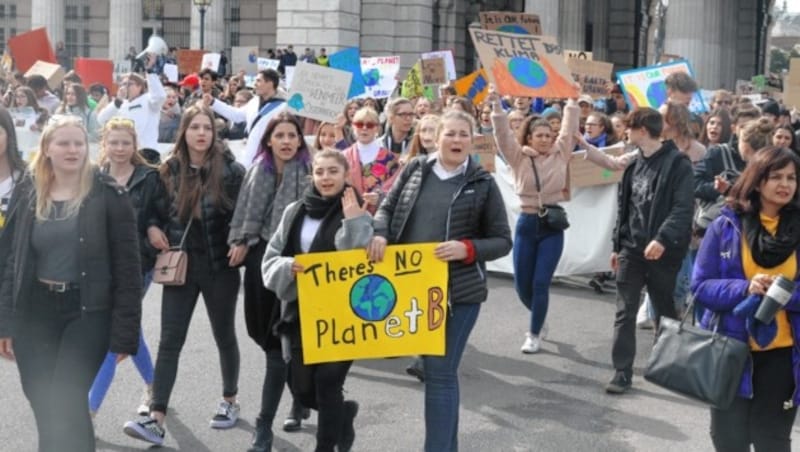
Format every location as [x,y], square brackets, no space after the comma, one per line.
[146,429]
[226,415]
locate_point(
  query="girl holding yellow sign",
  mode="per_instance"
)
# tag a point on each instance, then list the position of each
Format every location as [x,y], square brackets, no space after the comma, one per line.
[330,216]
[447,198]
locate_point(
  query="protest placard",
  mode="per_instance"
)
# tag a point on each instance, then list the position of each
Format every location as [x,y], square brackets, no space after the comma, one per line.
[578,54]
[412,85]
[29,47]
[349,60]
[474,86]
[6,62]
[95,70]
[318,92]
[759,82]
[520,23]
[352,308]
[288,76]
[449,61]
[380,75]
[744,87]
[433,71]
[484,148]
[644,87]
[267,63]
[244,58]
[50,71]
[190,60]
[583,173]
[524,65]
[593,76]
[171,71]
[211,61]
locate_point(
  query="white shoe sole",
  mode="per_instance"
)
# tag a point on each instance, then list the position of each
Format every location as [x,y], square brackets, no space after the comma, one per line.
[135,430]
[223,424]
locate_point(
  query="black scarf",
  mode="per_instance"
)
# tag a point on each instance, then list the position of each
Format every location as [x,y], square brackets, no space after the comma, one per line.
[318,206]
[770,251]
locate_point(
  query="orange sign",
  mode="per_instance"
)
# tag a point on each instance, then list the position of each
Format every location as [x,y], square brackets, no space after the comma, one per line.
[95,70]
[190,60]
[474,86]
[31,46]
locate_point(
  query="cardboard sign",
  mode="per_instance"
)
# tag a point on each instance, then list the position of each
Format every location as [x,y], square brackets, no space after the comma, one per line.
[52,72]
[412,85]
[95,70]
[484,148]
[29,47]
[24,117]
[644,87]
[318,92]
[520,23]
[449,61]
[577,54]
[744,87]
[267,63]
[583,173]
[351,308]
[593,76]
[349,60]
[244,59]
[434,72]
[211,61]
[190,60]
[524,65]
[380,75]
[474,86]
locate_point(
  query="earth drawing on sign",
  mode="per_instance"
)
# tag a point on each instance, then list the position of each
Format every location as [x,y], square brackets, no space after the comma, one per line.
[372,298]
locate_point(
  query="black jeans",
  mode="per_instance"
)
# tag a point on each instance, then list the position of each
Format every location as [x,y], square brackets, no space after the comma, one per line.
[760,421]
[634,273]
[319,386]
[59,350]
[220,290]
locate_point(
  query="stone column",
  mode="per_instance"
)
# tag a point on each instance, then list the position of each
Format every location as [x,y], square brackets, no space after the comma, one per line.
[332,24]
[549,14]
[694,31]
[49,14]
[572,29]
[600,30]
[124,27]
[404,29]
[214,29]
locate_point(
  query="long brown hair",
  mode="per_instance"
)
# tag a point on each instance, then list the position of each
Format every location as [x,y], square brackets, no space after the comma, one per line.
[191,183]
[744,196]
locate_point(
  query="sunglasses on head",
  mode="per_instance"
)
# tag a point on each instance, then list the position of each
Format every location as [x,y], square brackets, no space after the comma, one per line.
[364,125]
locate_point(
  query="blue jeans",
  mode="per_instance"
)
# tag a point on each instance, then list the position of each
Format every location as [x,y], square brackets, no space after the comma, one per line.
[142,360]
[441,381]
[537,251]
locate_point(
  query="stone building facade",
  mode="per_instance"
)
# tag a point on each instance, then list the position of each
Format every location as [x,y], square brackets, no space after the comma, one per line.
[724,39]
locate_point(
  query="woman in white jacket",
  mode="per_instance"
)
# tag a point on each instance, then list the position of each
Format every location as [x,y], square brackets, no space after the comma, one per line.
[140,102]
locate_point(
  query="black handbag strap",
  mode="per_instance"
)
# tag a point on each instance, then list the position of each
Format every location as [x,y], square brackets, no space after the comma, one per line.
[690,311]
[542,208]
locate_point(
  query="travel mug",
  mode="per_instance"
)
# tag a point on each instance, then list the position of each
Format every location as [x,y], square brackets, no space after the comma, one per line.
[776,298]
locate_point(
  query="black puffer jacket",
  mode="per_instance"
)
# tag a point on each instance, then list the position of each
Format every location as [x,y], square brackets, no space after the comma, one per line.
[108,259]
[476,213]
[215,221]
[22,184]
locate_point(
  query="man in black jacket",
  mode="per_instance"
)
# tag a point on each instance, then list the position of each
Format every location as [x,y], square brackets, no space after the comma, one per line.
[652,234]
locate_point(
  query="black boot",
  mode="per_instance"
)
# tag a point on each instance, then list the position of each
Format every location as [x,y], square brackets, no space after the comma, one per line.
[295,419]
[262,437]
[348,435]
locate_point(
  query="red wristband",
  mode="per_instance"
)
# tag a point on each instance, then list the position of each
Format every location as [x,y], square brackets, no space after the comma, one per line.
[470,251]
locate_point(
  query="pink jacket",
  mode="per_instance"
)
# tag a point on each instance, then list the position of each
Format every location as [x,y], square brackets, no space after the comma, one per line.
[357,178]
[552,167]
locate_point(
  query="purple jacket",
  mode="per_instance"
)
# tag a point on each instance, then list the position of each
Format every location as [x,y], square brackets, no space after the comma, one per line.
[719,284]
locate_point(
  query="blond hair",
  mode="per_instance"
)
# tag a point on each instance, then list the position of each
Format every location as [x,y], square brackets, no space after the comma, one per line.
[44,176]
[120,124]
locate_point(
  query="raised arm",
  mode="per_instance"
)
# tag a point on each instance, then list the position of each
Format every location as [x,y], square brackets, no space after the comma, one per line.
[507,143]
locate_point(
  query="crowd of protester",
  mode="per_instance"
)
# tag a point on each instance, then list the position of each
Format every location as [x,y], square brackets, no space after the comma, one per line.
[695,189]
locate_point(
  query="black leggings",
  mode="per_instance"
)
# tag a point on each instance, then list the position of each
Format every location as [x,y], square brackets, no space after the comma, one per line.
[59,350]
[760,421]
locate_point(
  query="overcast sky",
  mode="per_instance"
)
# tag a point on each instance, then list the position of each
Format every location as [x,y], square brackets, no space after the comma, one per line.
[791,5]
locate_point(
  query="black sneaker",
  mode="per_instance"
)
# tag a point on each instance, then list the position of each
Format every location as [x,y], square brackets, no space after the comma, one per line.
[146,429]
[619,384]
[348,436]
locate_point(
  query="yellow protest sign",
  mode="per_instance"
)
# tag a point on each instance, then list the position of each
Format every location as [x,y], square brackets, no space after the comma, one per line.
[351,308]
[412,85]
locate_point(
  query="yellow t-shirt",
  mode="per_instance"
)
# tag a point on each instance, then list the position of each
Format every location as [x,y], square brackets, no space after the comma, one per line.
[787,269]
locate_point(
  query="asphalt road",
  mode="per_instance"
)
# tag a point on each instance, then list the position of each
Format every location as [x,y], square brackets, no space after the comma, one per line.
[551,401]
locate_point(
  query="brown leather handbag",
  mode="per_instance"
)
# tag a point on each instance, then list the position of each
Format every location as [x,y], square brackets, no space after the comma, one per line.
[170,267]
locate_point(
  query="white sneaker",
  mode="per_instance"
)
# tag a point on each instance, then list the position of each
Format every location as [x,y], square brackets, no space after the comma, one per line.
[226,415]
[531,344]
[144,402]
[146,429]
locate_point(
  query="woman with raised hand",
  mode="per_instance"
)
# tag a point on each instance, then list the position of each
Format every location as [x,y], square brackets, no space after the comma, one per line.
[119,159]
[199,186]
[330,216]
[71,290]
[447,197]
[539,165]
[76,103]
[278,178]
[753,242]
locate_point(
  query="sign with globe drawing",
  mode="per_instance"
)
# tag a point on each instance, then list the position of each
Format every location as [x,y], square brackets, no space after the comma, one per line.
[351,308]
[644,87]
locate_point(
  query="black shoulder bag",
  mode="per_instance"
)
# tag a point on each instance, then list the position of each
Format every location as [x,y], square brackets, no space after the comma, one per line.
[554,216]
